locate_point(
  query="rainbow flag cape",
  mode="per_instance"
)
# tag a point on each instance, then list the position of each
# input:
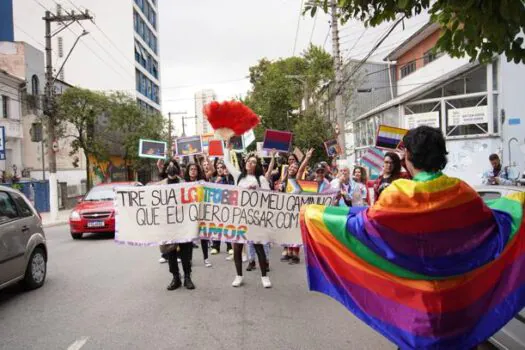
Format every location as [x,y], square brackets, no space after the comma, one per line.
[429,266]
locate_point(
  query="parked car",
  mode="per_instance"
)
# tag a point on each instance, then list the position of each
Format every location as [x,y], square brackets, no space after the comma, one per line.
[23,250]
[95,212]
[512,336]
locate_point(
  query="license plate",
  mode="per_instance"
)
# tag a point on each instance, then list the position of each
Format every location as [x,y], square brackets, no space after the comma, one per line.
[93,224]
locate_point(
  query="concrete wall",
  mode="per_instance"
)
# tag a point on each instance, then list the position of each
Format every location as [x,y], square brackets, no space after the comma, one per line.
[9,87]
[511,100]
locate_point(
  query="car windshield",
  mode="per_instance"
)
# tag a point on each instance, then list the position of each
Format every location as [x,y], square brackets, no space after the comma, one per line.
[101,193]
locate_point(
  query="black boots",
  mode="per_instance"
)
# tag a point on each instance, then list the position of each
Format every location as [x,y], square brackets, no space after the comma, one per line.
[175,283]
[188,283]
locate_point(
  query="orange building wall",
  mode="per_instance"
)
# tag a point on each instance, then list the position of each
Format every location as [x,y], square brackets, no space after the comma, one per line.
[417,52]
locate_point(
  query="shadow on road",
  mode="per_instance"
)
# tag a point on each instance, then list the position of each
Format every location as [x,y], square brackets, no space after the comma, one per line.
[97,236]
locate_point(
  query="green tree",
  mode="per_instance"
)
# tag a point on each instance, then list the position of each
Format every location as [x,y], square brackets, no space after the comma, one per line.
[310,131]
[78,111]
[279,88]
[128,123]
[477,28]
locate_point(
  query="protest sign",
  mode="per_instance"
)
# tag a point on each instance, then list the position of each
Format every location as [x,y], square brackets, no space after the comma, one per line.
[373,158]
[187,146]
[389,137]
[216,148]
[261,151]
[278,140]
[298,153]
[247,138]
[152,149]
[332,148]
[237,143]
[206,138]
[162,214]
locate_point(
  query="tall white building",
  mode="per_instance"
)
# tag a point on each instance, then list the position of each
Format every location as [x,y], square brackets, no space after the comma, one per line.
[202,98]
[120,52]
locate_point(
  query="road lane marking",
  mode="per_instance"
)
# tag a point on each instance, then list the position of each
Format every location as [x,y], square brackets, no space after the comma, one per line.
[78,344]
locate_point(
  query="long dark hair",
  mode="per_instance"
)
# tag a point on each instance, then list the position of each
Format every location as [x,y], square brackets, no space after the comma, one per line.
[200,172]
[364,176]
[258,168]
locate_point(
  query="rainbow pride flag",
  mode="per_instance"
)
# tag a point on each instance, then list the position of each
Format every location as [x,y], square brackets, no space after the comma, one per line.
[309,186]
[429,266]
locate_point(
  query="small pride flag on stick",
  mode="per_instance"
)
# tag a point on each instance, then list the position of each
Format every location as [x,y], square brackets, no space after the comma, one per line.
[389,137]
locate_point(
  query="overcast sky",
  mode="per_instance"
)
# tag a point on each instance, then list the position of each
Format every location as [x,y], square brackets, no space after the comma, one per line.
[211,44]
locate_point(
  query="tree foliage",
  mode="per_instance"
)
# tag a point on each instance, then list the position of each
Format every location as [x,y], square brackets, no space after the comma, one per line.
[129,123]
[477,28]
[99,124]
[78,111]
[279,88]
[310,131]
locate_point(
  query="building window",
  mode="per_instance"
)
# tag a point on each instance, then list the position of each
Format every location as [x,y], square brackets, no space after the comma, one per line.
[60,47]
[35,85]
[429,56]
[408,68]
[5,106]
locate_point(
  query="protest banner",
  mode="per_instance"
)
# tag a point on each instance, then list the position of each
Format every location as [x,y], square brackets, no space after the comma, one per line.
[278,140]
[152,149]
[188,146]
[162,214]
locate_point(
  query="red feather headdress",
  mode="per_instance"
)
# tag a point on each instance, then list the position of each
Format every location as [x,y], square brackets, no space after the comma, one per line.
[230,118]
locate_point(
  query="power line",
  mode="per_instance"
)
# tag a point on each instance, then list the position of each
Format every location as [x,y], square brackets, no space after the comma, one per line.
[360,64]
[357,41]
[326,37]
[87,46]
[209,83]
[298,25]
[313,28]
[30,36]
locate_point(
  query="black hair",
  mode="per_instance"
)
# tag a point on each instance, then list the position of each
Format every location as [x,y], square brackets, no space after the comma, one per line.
[294,156]
[396,163]
[258,169]
[493,156]
[200,172]
[173,170]
[426,148]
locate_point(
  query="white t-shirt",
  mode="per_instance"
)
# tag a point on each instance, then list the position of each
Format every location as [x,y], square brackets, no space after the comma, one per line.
[247,181]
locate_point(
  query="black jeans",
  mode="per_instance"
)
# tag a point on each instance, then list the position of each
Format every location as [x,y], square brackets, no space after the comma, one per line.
[237,257]
[205,244]
[185,255]
[217,245]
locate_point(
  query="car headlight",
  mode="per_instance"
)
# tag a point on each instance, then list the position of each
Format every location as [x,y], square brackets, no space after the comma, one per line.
[75,215]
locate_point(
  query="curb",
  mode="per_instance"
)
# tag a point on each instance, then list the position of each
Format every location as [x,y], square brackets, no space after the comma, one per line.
[56,223]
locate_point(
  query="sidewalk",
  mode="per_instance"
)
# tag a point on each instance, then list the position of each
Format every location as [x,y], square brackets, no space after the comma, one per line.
[63,218]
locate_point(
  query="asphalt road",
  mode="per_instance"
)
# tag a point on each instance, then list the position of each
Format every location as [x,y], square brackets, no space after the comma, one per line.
[100,295]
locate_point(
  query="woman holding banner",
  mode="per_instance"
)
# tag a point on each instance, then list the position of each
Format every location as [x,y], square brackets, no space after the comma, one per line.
[194,173]
[171,172]
[221,176]
[251,177]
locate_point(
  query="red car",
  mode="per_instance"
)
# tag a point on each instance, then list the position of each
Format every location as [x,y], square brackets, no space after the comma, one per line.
[95,212]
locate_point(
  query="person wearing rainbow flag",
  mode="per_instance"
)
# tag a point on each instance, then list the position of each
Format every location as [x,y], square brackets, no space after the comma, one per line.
[430,265]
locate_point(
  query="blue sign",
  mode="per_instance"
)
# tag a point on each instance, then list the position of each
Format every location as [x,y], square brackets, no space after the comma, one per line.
[2,143]
[514,121]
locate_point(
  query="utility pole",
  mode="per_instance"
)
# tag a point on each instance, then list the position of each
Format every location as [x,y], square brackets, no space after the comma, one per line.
[338,65]
[49,106]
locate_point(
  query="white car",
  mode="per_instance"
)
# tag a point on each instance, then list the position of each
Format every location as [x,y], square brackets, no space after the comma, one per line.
[512,336]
